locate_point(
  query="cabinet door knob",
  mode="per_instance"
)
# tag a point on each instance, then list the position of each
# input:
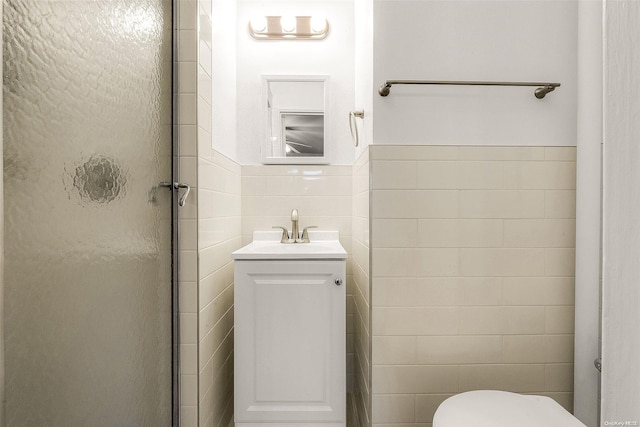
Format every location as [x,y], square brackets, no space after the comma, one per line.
[338,282]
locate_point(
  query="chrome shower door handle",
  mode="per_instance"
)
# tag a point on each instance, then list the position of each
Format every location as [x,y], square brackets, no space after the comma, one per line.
[177,185]
[182,200]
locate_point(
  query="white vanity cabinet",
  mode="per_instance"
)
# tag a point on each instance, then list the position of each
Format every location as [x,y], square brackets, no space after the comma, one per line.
[290,342]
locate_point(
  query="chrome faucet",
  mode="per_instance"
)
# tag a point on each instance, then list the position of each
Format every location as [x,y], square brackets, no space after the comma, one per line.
[295,231]
[285,234]
[305,234]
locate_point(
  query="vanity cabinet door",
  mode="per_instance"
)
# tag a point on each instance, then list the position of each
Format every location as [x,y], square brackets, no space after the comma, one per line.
[290,343]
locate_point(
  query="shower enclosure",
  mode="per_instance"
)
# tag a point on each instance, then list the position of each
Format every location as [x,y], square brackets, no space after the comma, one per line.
[89,284]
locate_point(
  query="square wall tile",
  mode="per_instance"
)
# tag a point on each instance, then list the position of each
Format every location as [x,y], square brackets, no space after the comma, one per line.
[502,204]
[394,408]
[393,174]
[460,175]
[538,349]
[518,378]
[458,350]
[414,379]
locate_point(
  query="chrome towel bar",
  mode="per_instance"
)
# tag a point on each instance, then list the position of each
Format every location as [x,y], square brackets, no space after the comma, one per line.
[541,88]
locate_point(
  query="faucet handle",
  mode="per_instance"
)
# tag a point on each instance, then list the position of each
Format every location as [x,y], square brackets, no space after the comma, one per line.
[305,234]
[285,234]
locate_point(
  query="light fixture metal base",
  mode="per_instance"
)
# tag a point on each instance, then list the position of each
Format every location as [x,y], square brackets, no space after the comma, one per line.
[304,29]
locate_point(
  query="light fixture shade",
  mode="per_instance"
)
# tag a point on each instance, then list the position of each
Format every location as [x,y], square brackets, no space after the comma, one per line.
[288,23]
[258,24]
[318,24]
[289,28]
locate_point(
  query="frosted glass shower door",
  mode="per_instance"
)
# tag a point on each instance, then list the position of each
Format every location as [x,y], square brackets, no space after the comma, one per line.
[87,139]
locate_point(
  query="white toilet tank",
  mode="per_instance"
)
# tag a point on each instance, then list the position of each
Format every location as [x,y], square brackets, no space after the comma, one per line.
[492,408]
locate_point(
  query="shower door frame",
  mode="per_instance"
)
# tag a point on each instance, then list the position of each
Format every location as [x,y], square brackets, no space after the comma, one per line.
[175,174]
[2,375]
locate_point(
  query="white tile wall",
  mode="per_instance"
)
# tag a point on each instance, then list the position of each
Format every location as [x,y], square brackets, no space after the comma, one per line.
[472,275]
[323,197]
[188,216]
[219,229]
[218,236]
[359,300]
[209,231]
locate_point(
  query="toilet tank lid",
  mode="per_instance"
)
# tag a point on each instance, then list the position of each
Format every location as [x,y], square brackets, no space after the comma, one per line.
[493,408]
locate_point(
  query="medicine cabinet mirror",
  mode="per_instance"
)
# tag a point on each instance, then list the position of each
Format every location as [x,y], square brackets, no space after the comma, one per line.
[295,119]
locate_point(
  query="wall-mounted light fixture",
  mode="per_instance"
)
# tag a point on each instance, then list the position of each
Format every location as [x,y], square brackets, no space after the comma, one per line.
[289,28]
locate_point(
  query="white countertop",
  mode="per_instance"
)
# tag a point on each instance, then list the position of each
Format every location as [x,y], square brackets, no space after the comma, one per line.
[266,246]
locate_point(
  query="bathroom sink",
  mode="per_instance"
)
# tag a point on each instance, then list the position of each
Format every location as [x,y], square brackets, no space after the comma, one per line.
[290,331]
[266,246]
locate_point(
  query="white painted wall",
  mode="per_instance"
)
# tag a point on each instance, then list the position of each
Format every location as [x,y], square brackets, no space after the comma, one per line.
[588,208]
[223,83]
[621,209]
[332,56]
[492,40]
[363,58]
